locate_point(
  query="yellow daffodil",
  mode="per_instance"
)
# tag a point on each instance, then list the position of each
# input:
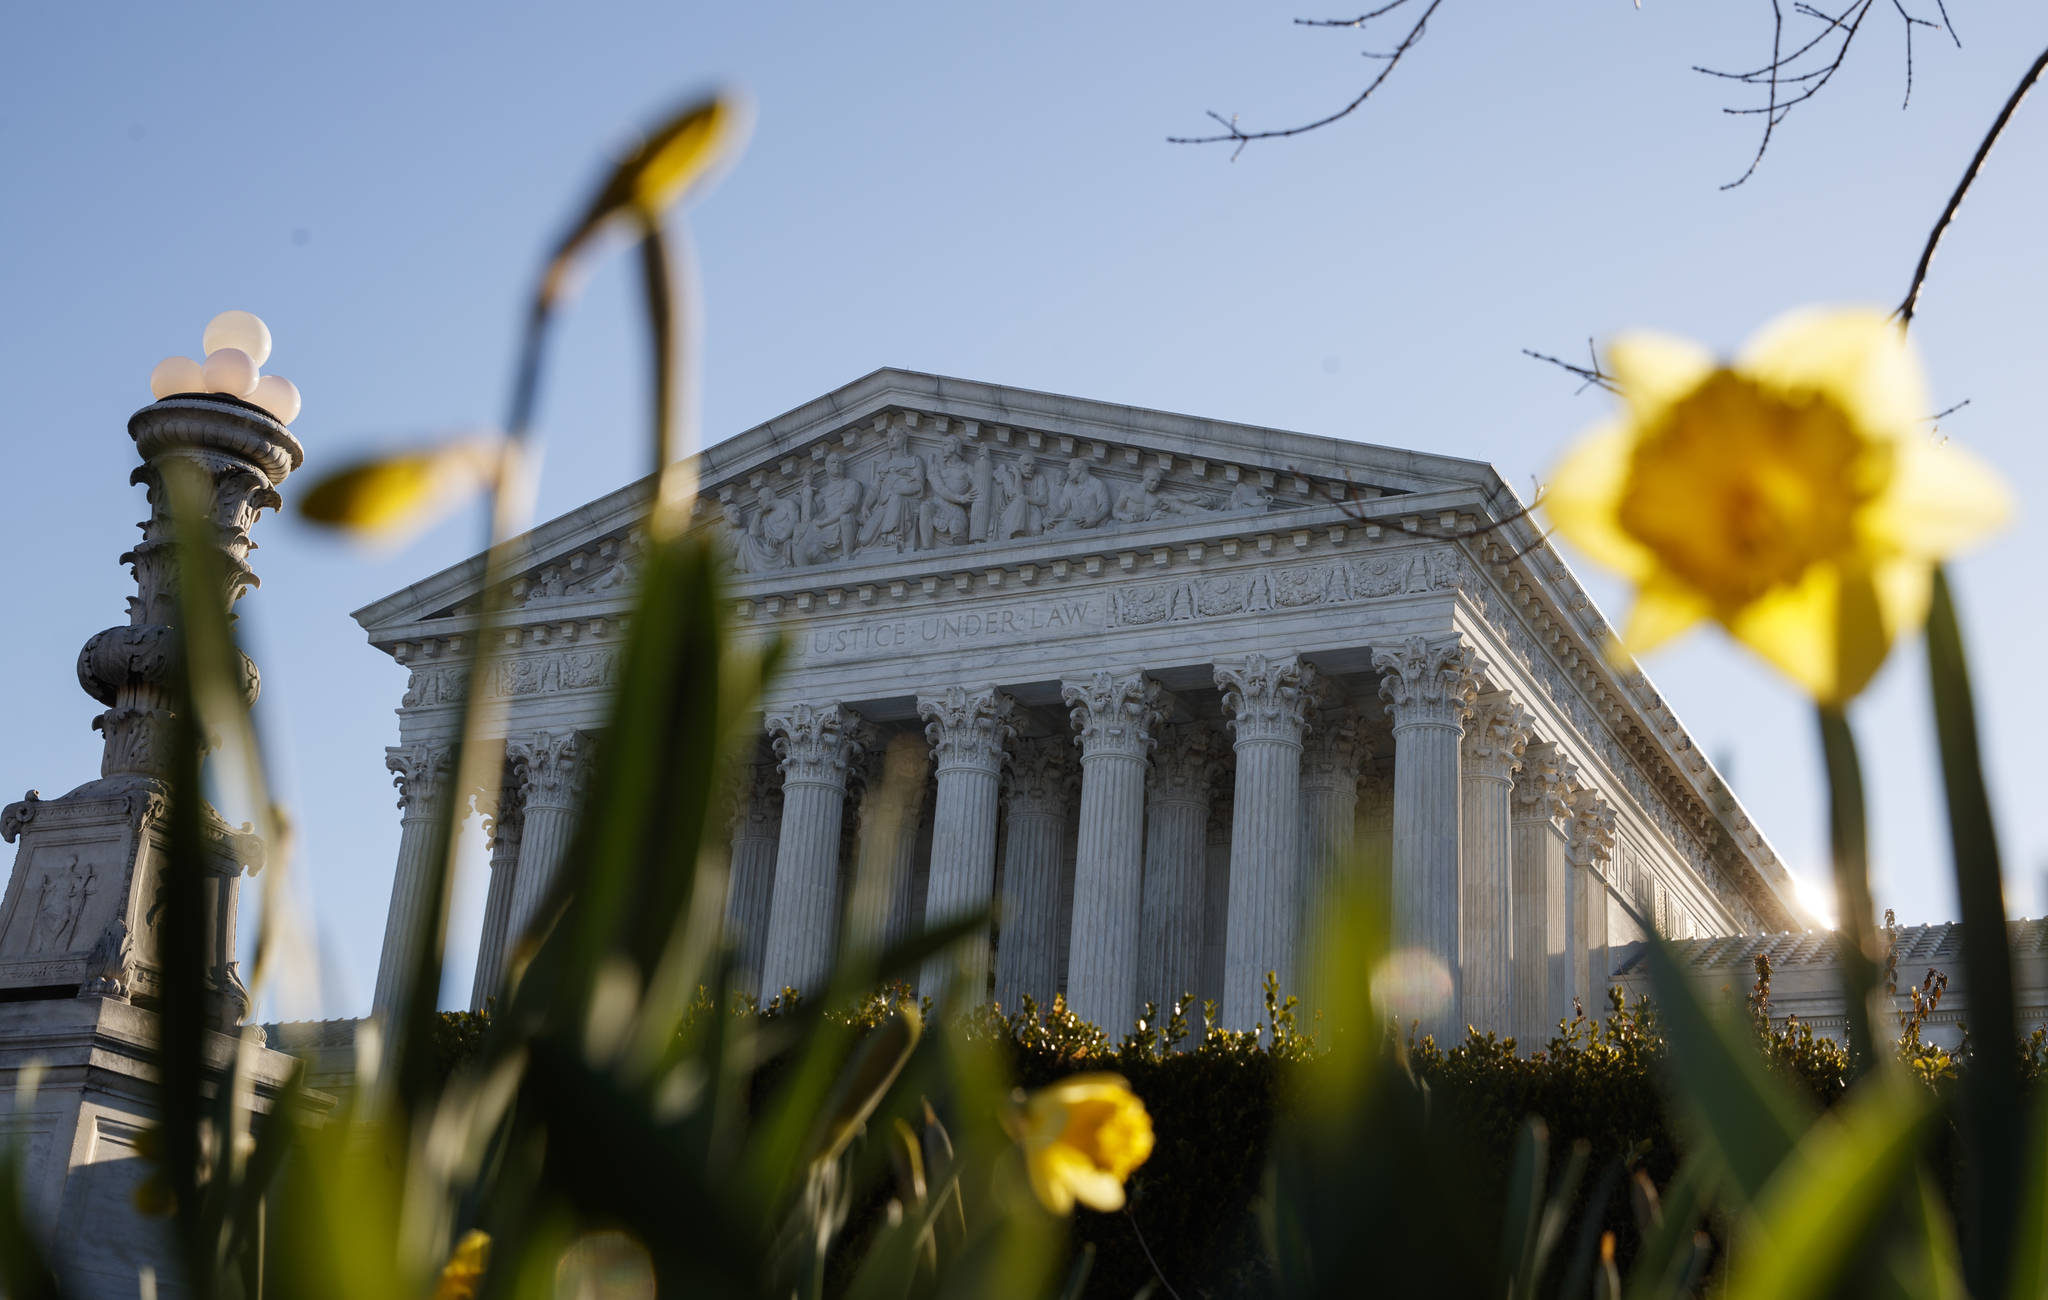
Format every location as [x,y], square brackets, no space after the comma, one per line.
[1797,497]
[1082,1137]
[463,1275]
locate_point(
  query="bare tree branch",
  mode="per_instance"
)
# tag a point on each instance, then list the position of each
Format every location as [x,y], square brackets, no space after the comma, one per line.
[1911,302]
[1388,62]
[1591,372]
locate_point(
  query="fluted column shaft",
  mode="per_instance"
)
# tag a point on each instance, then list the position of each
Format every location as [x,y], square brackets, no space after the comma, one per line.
[1428,686]
[816,745]
[750,888]
[1493,743]
[968,732]
[1184,769]
[1216,889]
[1542,961]
[551,770]
[1590,829]
[504,827]
[885,858]
[1116,717]
[1331,756]
[1266,700]
[1041,778]
[424,777]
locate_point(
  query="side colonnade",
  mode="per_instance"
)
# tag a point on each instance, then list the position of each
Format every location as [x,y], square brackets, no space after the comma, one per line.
[1156,845]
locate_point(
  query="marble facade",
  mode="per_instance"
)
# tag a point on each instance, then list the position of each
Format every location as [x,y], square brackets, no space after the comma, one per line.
[1151,683]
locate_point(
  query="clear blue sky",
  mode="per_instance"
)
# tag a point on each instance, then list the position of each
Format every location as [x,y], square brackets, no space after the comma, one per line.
[982,192]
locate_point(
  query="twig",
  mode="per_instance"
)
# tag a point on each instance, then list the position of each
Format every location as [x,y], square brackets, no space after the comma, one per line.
[1141,1236]
[1388,62]
[1593,375]
[1911,302]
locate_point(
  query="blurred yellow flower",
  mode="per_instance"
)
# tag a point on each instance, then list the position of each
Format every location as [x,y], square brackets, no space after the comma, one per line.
[463,1275]
[1082,1137]
[1796,497]
[393,496]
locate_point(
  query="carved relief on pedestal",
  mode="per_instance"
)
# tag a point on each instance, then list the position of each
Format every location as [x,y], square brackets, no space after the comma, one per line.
[1265,698]
[1114,713]
[1428,682]
[968,728]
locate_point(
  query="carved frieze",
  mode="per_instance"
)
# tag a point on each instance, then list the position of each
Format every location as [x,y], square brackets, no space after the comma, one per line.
[1265,588]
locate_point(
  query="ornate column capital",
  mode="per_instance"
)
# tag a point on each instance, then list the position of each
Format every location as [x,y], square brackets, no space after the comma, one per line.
[1267,698]
[1041,775]
[1495,737]
[1114,714]
[1186,764]
[551,767]
[422,772]
[1591,828]
[817,743]
[968,728]
[1336,749]
[756,795]
[1544,783]
[1428,682]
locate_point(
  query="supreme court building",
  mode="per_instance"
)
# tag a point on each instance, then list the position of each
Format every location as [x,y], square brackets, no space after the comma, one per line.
[1145,680]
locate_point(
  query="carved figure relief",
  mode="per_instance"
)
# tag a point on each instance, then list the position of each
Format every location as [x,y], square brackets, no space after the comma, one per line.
[1081,502]
[61,897]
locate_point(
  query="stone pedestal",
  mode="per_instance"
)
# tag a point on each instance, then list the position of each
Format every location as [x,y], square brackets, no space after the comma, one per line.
[968,732]
[1184,769]
[76,1138]
[1266,700]
[1115,717]
[816,744]
[1428,686]
[1039,789]
[1493,742]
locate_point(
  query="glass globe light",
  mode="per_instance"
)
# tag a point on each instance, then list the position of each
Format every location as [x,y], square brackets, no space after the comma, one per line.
[176,375]
[279,396]
[231,371]
[241,330]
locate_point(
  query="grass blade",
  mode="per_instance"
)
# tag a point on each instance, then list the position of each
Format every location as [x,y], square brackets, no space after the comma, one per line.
[1849,835]
[1990,1118]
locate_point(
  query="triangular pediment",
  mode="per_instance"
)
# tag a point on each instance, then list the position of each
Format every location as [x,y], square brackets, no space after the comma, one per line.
[900,468]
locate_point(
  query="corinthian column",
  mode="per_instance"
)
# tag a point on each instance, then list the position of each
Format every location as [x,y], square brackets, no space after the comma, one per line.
[503,820]
[1331,758]
[968,731]
[1590,847]
[885,857]
[756,825]
[1216,886]
[1494,739]
[424,775]
[817,744]
[1428,686]
[1115,716]
[1543,991]
[1041,781]
[1267,700]
[1184,770]
[551,767]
